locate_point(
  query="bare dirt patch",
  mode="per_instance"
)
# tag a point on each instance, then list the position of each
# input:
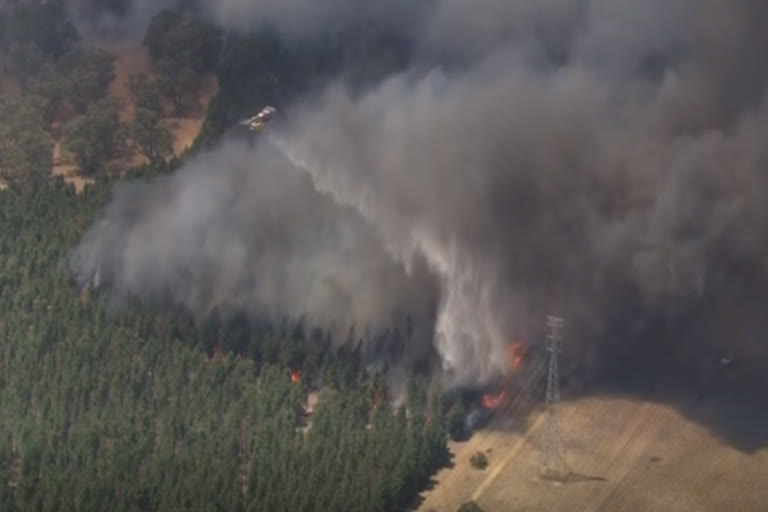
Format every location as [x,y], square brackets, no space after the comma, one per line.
[136,60]
[67,170]
[128,61]
[186,129]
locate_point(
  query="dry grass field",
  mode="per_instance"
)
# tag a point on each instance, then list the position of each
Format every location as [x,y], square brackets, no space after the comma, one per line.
[129,61]
[668,428]
[623,454]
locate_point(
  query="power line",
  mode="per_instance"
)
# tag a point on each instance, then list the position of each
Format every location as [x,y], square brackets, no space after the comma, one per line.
[553,465]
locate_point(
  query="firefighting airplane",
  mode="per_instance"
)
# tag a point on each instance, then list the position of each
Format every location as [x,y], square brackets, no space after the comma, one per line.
[258,121]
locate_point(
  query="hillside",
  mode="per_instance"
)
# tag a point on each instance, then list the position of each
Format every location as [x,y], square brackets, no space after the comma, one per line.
[79,109]
[624,455]
[130,61]
[185,129]
[683,446]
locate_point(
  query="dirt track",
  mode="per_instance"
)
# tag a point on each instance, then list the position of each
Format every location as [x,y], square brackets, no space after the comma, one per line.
[623,455]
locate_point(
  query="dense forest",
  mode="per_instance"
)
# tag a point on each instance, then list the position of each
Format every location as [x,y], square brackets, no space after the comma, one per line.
[129,411]
[146,408]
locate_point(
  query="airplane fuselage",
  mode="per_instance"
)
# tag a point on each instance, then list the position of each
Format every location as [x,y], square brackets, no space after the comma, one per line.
[258,121]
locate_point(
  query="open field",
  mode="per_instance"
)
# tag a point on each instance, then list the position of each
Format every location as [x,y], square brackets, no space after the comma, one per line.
[623,454]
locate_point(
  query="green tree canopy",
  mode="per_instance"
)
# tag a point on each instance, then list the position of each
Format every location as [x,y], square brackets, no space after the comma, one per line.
[145,93]
[77,79]
[96,136]
[470,506]
[120,409]
[183,48]
[49,90]
[42,22]
[87,73]
[150,137]
[479,460]
[26,150]
[187,41]
[177,84]
[457,416]
[24,60]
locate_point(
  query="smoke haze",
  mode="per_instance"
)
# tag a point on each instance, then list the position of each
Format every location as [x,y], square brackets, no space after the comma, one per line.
[241,229]
[596,157]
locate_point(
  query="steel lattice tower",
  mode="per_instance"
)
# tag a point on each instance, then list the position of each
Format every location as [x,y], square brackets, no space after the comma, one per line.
[552,451]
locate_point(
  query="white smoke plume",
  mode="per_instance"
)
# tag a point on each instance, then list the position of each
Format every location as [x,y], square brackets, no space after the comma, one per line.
[241,229]
[592,157]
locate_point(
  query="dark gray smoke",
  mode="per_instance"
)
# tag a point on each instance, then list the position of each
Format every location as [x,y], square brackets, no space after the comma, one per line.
[123,21]
[126,21]
[596,156]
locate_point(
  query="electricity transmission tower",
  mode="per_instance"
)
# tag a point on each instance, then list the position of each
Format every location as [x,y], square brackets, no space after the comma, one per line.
[553,465]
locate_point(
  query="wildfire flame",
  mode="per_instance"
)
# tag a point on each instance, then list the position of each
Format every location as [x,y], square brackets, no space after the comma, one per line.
[516,353]
[491,401]
[295,376]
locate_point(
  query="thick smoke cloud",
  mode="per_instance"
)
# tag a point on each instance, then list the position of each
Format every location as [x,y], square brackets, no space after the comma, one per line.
[539,190]
[242,230]
[117,21]
[293,20]
[596,156]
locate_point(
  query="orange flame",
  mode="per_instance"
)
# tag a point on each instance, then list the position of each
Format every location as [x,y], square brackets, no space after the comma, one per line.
[491,401]
[516,353]
[295,376]
[84,295]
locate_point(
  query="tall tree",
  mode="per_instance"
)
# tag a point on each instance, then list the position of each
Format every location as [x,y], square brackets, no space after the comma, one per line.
[96,136]
[145,93]
[87,74]
[189,42]
[150,137]
[26,150]
[24,60]
[183,48]
[178,84]
[43,22]
[49,90]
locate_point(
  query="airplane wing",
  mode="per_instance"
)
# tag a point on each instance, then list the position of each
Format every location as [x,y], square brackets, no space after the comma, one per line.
[256,122]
